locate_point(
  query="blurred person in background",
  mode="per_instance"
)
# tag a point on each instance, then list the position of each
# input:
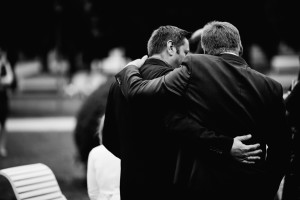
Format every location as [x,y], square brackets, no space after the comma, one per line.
[6,81]
[95,103]
[103,171]
[195,42]
[258,59]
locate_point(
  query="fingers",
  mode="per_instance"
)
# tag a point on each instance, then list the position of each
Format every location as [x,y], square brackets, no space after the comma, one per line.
[141,61]
[248,162]
[250,159]
[144,58]
[253,147]
[244,137]
[138,62]
[134,62]
[253,158]
[254,153]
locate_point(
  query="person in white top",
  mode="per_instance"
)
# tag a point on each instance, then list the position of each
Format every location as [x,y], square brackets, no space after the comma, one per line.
[103,172]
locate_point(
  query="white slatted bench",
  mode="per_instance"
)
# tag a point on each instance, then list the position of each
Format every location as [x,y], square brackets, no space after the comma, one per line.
[33,182]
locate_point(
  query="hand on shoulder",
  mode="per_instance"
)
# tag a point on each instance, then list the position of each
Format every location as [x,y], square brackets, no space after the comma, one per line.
[138,62]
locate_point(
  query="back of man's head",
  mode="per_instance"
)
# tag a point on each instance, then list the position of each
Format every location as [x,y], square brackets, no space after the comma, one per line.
[195,42]
[159,38]
[219,37]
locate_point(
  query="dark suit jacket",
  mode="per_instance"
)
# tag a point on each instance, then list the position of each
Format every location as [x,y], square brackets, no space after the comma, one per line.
[292,180]
[224,94]
[139,138]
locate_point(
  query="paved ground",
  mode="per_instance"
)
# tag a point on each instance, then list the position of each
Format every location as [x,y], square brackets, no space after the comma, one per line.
[49,141]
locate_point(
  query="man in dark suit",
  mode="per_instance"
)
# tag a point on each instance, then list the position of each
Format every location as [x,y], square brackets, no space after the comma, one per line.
[136,133]
[225,95]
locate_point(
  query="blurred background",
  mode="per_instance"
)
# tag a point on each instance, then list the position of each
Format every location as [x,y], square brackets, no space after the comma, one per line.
[64,54]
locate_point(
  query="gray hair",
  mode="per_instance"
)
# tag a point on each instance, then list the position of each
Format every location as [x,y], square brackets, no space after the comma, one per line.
[219,37]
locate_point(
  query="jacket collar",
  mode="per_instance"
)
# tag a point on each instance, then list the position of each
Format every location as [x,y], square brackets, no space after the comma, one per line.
[154,67]
[233,58]
[155,61]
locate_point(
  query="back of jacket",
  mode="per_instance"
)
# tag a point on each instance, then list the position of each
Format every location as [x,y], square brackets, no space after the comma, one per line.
[149,162]
[227,96]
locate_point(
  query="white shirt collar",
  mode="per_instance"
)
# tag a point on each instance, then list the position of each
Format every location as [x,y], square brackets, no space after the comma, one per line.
[230,53]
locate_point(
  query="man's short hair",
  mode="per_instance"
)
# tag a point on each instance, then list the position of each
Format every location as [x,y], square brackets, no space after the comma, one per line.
[159,38]
[218,37]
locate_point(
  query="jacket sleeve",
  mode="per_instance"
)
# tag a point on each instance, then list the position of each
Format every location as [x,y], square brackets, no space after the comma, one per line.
[198,136]
[279,137]
[175,82]
[110,134]
[133,86]
[293,106]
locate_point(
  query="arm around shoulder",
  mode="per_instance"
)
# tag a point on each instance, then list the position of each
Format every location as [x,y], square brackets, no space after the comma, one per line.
[134,86]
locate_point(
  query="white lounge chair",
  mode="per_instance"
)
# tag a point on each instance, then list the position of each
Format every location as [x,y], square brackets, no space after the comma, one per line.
[33,182]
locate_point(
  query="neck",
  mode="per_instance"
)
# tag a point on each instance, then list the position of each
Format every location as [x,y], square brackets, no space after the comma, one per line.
[230,52]
[157,56]
[161,57]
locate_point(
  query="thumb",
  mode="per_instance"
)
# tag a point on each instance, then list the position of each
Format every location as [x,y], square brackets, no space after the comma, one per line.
[243,137]
[144,58]
[141,61]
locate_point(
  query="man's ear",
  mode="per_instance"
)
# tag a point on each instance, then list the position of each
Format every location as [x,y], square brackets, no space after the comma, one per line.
[241,50]
[171,49]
